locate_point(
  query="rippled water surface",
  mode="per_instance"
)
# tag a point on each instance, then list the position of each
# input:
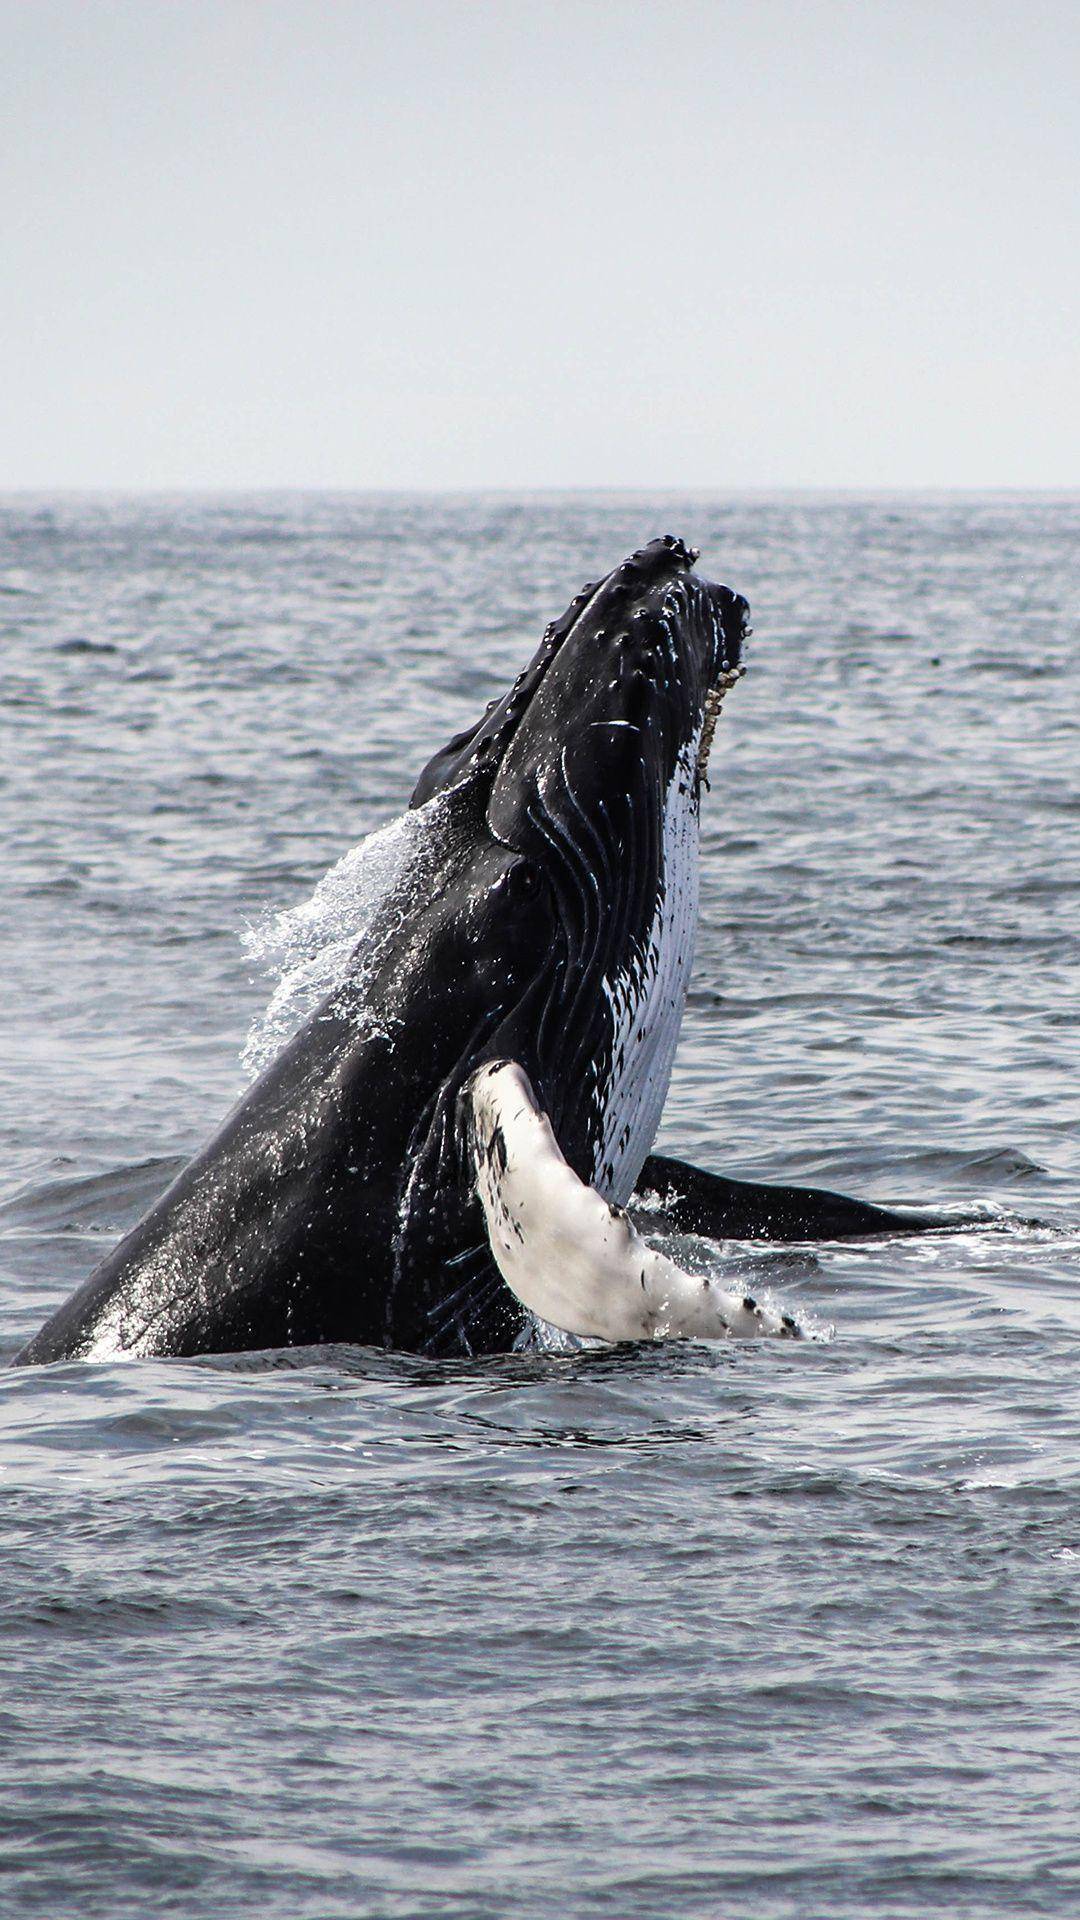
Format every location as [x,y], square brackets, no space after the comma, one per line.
[774,1630]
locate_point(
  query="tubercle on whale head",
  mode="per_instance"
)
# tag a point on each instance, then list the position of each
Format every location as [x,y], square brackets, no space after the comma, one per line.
[651,615]
[638,678]
[652,593]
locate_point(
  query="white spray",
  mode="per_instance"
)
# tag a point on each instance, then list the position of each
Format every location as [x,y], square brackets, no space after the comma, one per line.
[360,901]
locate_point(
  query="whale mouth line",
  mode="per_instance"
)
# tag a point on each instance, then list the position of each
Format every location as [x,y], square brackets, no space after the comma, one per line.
[714,702]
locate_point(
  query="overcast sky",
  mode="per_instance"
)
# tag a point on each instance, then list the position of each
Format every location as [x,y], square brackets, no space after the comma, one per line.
[257,243]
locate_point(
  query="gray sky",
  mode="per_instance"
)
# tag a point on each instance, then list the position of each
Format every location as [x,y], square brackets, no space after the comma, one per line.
[259,243]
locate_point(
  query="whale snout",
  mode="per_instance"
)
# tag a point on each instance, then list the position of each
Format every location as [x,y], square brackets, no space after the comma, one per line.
[733,627]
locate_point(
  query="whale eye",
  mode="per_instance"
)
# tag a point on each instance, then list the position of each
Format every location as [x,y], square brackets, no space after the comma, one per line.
[524,880]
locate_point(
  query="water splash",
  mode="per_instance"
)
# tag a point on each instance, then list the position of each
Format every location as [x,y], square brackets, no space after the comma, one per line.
[335,938]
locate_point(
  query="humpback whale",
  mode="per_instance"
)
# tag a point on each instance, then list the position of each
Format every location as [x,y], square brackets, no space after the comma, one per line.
[450,1144]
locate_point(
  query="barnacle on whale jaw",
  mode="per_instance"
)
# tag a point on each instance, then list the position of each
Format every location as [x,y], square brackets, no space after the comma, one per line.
[714,701]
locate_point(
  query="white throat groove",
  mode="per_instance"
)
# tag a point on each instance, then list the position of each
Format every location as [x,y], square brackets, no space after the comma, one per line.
[647,995]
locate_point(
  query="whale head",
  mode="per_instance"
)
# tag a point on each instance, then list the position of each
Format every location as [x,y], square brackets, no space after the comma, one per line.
[584,783]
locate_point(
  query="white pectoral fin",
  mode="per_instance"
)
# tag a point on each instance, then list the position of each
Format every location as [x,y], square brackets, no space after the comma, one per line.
[569,1256]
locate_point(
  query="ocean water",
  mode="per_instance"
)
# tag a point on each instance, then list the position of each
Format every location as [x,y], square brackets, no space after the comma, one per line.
[765,1630]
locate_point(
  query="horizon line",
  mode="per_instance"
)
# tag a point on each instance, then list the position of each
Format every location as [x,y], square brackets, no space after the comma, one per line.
[217,489]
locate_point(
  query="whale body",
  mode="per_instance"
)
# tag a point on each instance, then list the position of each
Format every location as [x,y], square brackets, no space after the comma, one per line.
[354,1193]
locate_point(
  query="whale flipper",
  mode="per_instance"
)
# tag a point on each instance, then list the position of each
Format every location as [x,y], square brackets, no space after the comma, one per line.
[695,1201]
[568,1255]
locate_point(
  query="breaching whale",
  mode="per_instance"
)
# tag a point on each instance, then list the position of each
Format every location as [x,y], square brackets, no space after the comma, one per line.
[452,1147]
